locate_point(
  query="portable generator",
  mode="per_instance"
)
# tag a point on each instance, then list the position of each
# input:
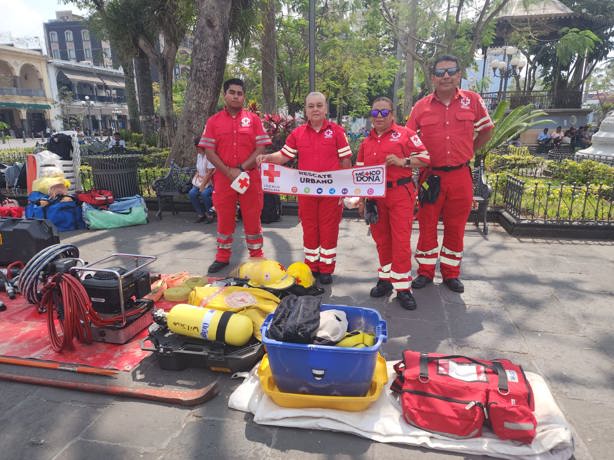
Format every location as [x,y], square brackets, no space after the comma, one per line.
[116,290]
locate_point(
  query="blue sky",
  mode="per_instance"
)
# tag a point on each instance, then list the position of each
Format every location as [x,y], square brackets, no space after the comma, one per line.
[25,17]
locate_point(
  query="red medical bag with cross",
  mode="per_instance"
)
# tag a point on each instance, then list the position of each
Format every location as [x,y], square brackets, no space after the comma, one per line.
[455,395]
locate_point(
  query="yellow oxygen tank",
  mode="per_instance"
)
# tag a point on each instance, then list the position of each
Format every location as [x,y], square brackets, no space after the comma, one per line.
[209,324]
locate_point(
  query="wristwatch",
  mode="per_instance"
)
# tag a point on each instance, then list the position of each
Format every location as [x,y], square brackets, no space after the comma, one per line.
[407,163]
[241,168]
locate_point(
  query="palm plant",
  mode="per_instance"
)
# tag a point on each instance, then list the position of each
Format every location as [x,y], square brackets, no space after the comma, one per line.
[507,127]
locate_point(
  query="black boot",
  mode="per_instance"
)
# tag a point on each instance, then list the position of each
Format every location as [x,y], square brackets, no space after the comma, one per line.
[383,288]
[455,285]
[325,278]
[406,300]
[216,266]
[420,282]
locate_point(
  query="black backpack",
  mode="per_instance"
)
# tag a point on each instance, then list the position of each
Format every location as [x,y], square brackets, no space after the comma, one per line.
[271,210]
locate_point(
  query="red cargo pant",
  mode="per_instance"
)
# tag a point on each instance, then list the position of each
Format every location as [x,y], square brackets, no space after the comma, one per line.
[392,235]
[225,202]
[454,205]
[320,217]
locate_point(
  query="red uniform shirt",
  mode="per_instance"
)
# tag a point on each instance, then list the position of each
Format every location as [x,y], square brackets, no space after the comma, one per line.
[398,140]
[447,131]
[317,150]
[233,138]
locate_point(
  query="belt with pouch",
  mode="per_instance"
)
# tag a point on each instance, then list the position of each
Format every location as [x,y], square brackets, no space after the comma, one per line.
[448,168]
[402,181]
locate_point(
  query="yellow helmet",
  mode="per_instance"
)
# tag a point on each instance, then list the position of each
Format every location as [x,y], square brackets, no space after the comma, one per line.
[246,270]
[302,274]
[269,274]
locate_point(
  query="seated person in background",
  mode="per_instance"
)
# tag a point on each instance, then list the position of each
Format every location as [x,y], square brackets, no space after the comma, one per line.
[515,141]
[543,141]
[557,136]
[202,189]
[583,137]
[571,134]
[117,142]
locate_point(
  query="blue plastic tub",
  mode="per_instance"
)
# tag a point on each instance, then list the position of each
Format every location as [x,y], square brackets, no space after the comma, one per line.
[327,370]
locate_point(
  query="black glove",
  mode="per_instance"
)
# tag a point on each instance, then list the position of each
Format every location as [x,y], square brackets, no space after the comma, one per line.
[371,216]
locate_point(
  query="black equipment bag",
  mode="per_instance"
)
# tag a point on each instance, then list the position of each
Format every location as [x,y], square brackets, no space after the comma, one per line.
[296,319]
[271,210]
[22,239]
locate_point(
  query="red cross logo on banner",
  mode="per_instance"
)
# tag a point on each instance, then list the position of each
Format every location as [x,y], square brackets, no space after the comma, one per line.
[244,183]
[271,173]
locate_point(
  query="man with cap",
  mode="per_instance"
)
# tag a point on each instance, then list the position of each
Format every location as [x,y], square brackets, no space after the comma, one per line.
[232,139]
[400,150]
[452,123]
[320,145]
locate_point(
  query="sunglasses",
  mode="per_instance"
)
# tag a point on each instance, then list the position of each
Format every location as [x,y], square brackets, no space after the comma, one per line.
[450,70]
[383,112]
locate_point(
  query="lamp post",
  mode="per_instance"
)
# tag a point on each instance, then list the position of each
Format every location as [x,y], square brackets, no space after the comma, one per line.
[510,66]
[88,105]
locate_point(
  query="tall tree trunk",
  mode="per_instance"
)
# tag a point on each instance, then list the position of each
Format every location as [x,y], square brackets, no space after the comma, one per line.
[269,59]
[131,99]
[142,72]
[164,60]
[209,53]
[167,123]
[397,81]
[412,28]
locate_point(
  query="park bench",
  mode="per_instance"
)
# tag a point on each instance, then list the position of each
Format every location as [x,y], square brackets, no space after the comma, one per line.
[481,196]
[173,185]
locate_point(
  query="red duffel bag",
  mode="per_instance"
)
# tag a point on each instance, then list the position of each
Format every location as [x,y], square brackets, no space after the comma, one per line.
[100,198]
[453,395]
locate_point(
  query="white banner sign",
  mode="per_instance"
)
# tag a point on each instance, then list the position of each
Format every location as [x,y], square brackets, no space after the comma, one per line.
[367,181]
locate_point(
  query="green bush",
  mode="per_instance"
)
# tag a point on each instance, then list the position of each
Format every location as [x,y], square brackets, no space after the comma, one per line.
[583,172]
[136,139]
[11,156]
[152,140]
[499,163]
[154,157]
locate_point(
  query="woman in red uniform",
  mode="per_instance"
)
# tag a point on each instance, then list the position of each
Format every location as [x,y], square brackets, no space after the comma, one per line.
[400,149]
[320,145]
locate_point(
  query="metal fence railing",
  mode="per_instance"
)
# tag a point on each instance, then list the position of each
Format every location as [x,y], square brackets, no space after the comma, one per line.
[606,159]
[551,203]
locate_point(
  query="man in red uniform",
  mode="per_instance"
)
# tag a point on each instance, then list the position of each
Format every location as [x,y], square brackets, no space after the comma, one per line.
[320,146]
[452,123]
[232,139]
[400,149]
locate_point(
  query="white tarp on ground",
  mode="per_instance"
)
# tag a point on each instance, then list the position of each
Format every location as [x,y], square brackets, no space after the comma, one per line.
[383,422]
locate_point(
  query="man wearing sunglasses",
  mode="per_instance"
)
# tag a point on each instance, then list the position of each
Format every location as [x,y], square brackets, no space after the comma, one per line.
[452,123]
[320,145]
[400,149]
